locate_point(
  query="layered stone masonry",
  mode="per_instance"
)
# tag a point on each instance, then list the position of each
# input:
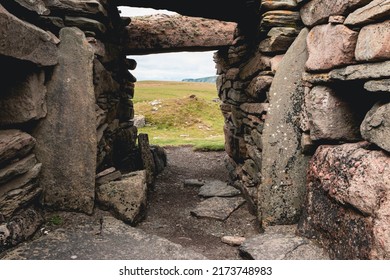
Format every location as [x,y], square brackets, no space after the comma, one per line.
[281,105]
[340,95]
[65,109]
[246,71]
[346,100]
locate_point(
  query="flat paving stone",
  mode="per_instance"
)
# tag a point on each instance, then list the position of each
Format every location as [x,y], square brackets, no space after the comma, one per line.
[114,241]
[218,188]
[280,243]
[218,208]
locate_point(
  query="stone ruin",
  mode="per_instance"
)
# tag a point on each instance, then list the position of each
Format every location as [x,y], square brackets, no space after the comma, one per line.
[305,95]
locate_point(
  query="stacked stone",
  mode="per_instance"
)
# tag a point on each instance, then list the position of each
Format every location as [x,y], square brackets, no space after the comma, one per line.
[22,104]
[67,83]
[19,187]
[246,71]
[346,98]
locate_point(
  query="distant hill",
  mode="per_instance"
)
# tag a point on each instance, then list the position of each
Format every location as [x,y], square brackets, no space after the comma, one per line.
[211,79]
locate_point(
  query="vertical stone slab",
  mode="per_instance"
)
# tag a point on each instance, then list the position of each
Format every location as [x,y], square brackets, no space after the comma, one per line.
[66,138]
[282,189]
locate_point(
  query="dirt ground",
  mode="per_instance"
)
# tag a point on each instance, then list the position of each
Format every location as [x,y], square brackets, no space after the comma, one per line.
[170,204]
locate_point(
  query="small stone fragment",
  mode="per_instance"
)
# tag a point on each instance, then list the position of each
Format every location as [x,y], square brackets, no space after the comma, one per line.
[233,240]
[193,183]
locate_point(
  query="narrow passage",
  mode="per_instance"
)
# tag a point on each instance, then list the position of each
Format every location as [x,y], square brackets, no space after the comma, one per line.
[171,203]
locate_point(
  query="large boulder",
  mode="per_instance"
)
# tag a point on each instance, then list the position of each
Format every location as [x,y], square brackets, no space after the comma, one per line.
[318,11]
[347,205]
[376,126]
[125,198]
[41,48]
[330,46]
[373,42]
[66,138]
[283,170]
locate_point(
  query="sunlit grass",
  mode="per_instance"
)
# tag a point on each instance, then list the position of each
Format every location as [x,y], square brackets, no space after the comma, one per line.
[184,114]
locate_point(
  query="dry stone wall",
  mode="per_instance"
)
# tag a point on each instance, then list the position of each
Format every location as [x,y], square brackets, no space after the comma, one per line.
[305,95]
[306,127]
[65,111]
[246,71]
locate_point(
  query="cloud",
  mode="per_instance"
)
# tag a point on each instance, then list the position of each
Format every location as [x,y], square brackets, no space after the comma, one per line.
[169,66]
[174,66]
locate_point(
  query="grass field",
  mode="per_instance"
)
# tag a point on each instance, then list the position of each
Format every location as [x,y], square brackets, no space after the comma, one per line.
[180,113]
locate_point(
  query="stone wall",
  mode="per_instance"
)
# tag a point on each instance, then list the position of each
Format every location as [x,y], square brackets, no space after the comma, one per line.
[305,96]
[246,71]
[347,100]
[283,105]
[65,109]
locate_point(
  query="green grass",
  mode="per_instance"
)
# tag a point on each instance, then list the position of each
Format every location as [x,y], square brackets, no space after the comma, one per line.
[187,114]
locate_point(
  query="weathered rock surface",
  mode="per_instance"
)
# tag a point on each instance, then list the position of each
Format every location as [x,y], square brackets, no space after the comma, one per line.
[23,99]
[41,48]
[20,192]
[258,86]
[139,121]
[283,170]
[102,80]
[217,188]
[147,158]
[17,168]
[318,11]
[280,18]
[14,144]
[325,52]
[19,228]
[114,241]
[165,33]
[347,201]
[233,240]
[86,24]
[331,116]
[279,4]
[280,243]
[37,6]
[373,42]
[68,134]
[378,85]
[375,127]
[218,208]
[278,40]
[126,198]
[108,175]
[76,7]
[258,63]
[362,71]
[373,11]
[193,183]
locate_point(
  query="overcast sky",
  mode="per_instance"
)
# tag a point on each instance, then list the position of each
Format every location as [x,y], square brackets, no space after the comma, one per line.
[170,66]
